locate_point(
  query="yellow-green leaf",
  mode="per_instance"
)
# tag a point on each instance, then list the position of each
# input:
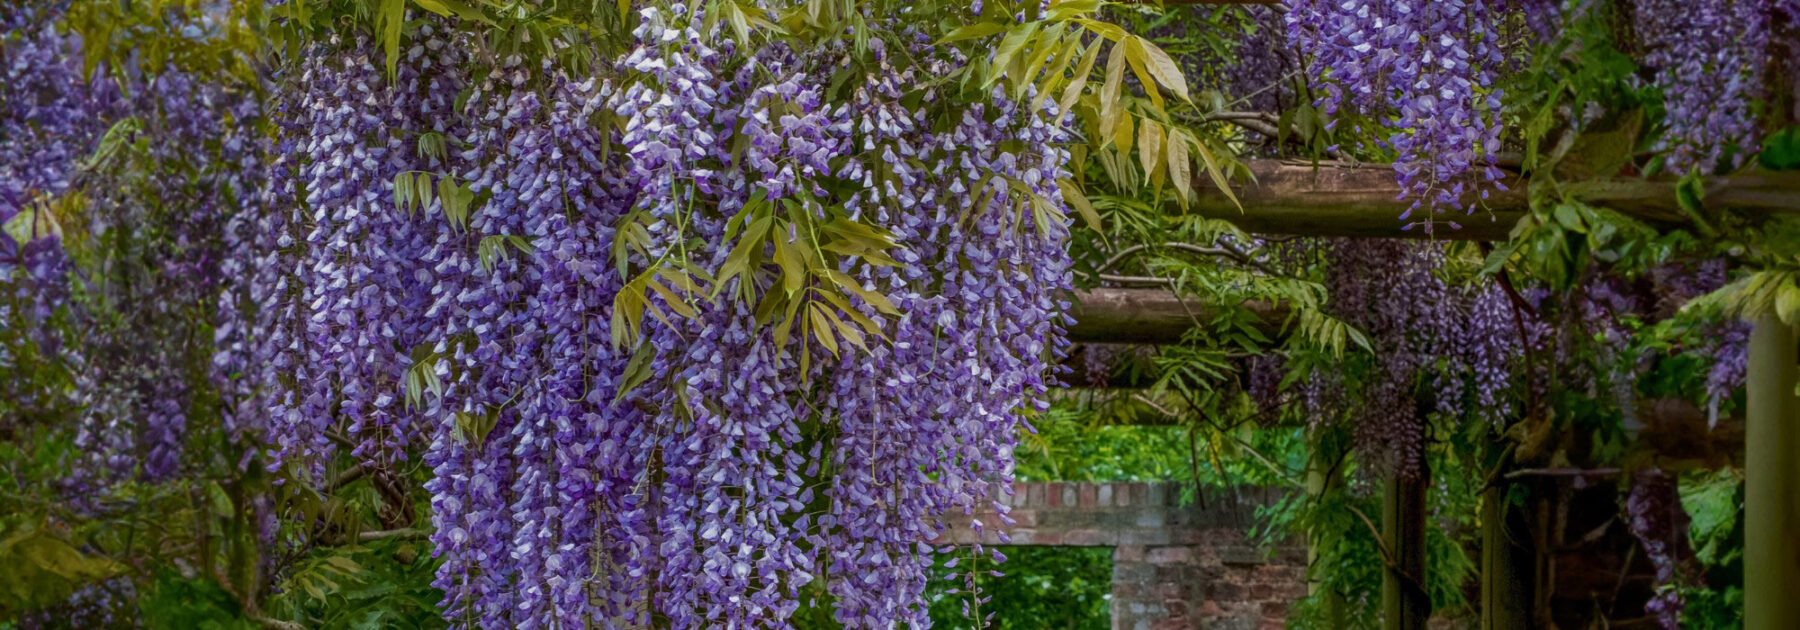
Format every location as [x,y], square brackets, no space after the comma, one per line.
[793,266]
[972,31]
[393,16]
[1079,80]
[434,6]
[1163,68]
[1180,169]
[1109,92]
[1010,45]
[822,328]
[1787,302]
[1150,141]
[1134,53]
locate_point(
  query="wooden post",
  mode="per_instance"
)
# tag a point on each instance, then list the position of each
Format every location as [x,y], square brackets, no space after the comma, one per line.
[1508,564]
[1772,479]
[1404,603]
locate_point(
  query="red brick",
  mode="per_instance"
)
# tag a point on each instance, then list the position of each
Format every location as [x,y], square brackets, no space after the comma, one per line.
[1170,591]
[1187,536]
[1274,609]
[1171,555]
[1210,608]
[1021,495]
[1025,518]
[1224,592]
[1055,496]
[1083,537]
[1089,495]
[1128,553]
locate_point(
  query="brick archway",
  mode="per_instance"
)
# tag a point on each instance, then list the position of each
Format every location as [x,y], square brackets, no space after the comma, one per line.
[1174,566]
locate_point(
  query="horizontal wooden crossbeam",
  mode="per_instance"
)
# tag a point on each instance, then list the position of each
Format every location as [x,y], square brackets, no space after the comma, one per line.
[1364,200]
[1147,316]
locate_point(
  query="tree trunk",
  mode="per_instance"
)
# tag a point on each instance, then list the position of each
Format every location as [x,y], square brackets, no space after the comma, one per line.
[1404,602]
[1772,479]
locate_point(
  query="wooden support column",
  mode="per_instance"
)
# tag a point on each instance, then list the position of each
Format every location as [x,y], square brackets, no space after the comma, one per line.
[1508,563]
[1404,603]
[1772,479]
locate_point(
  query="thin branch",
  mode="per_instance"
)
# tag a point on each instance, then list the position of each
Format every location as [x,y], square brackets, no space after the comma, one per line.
[1387,557]
[348,477]
[405,532]
[1155,406]
[1563,472]
[1137,280]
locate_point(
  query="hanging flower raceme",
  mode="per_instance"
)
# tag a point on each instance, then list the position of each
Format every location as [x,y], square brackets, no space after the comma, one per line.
[1710,59]
[688,336]
[1424,69]
[1440,349]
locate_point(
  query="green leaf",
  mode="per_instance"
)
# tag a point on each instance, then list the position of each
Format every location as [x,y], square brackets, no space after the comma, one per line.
[1010,45]
[973,31]
[434,6]
[42,568]
[793,266]
[1569,217]
[1690,193]
[873,298]
[637,370]
[1073,196]
[392,17]
[1781,150]
[1496,260]
[32,222]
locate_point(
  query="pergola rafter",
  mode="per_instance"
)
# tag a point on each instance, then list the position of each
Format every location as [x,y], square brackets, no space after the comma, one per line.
[1335,199]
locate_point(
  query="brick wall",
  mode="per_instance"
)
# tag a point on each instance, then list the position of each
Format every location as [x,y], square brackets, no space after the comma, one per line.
[1174,565]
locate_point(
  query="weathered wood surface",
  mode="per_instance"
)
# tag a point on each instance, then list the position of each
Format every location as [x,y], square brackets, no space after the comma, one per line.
[1142,315]
[1363,200]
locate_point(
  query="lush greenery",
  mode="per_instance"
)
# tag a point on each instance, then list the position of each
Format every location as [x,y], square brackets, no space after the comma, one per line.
[500,313]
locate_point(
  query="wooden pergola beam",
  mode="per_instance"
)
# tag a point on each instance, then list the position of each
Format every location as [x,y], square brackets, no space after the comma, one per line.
[1147,316]
[1349,200]
[1364,200]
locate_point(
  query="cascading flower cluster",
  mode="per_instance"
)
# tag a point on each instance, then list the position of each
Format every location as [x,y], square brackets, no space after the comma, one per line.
[1440,349]
[51,117]
[156,163]
[619,428]
[1657,518]
[1709,57]
[1426,70]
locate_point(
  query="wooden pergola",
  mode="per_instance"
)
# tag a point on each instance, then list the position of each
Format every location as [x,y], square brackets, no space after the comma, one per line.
[1287,197]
